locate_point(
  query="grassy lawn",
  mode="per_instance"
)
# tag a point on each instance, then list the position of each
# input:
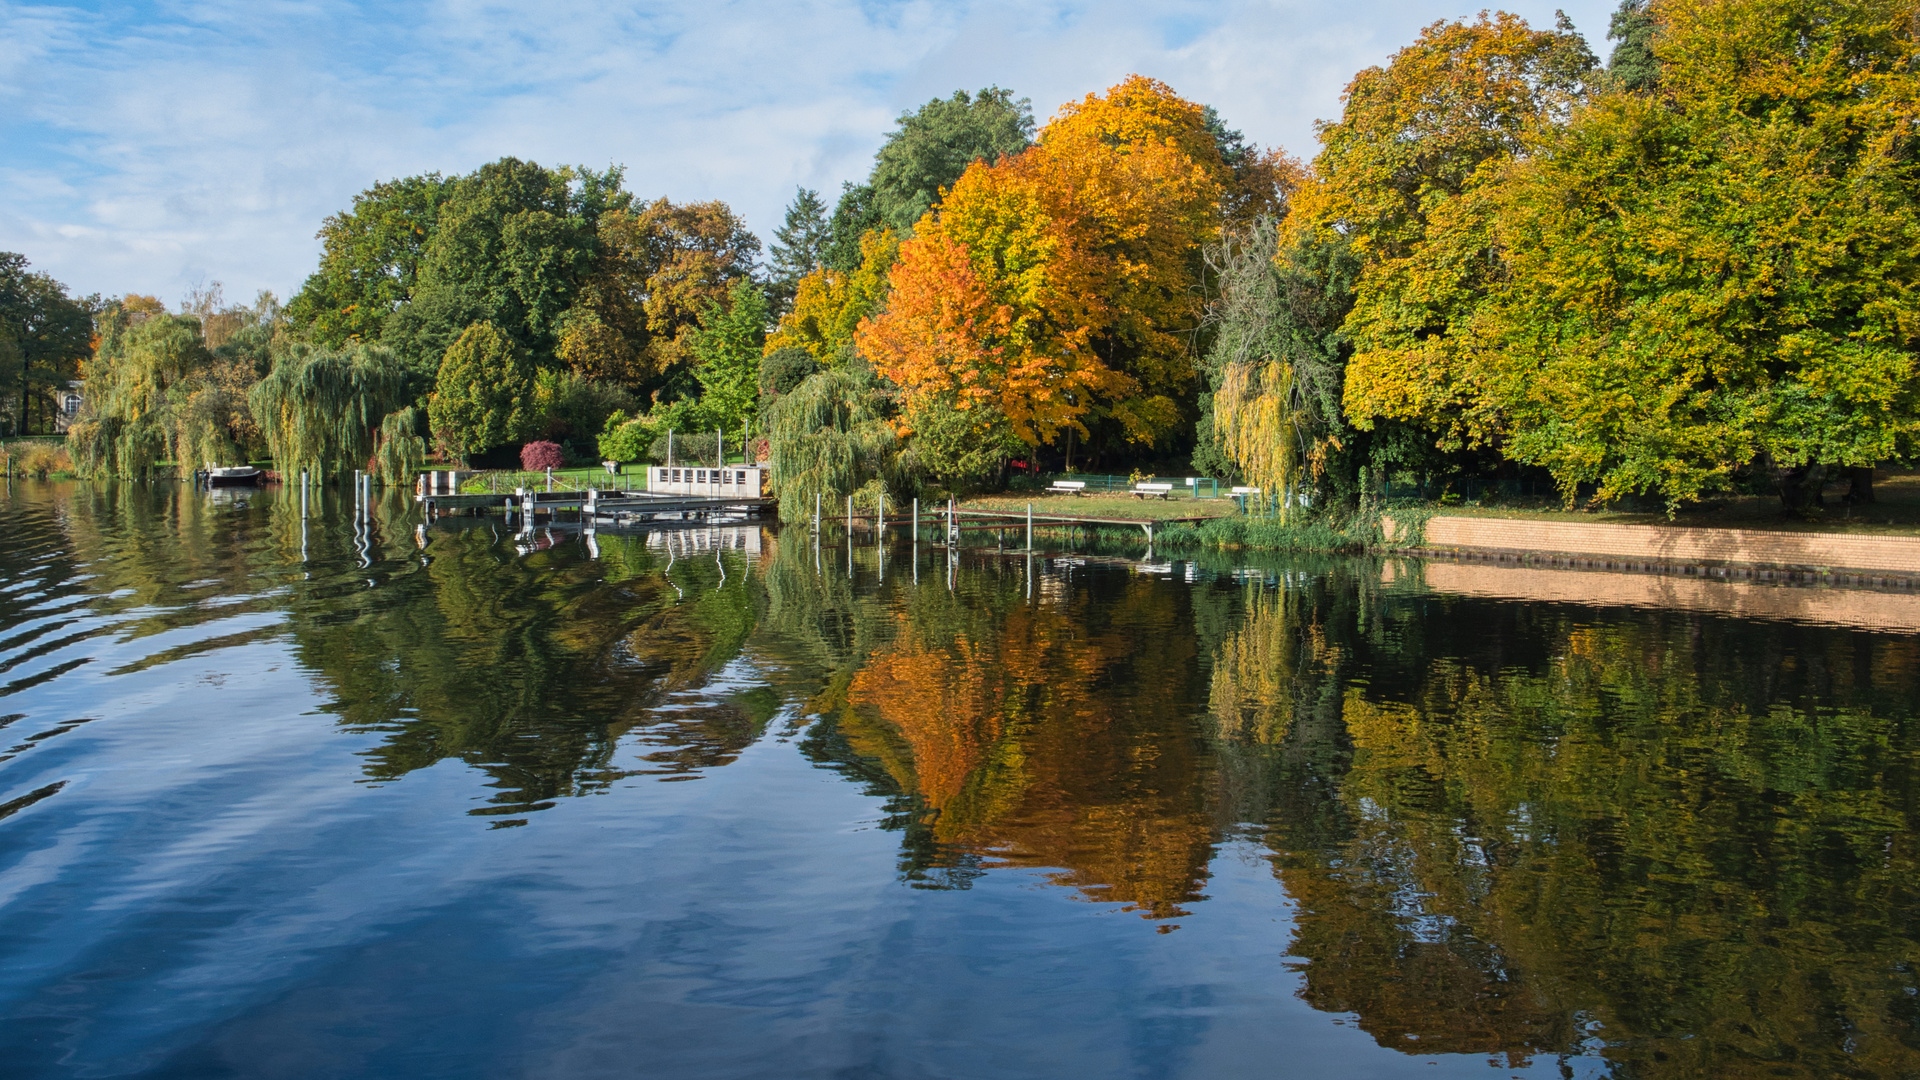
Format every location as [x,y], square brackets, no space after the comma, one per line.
[1897,511]
[1103,506]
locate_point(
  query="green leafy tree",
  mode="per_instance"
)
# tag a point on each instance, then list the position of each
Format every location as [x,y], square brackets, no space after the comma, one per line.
[335,410]
[511,246]
[830,436]
[799,246]
[935,143]
[484,395]
[1720,275]
[783,369]
[44,336]
[137,382]
[1632,66]
[728,350]
[370,260]
[854,216]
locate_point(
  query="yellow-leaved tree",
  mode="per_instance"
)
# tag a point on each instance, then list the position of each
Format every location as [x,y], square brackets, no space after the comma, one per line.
[828,305]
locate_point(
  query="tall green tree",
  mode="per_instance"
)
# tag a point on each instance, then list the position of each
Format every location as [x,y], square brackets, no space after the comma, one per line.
[935,143]
[728,349]
[45,335]
[418,260]
[484,395]
[800,245]
[854,216]
[1632,65]
[511,246]
[369,260]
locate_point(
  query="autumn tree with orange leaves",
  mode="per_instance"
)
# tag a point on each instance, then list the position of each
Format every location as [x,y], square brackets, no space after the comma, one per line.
[1057,292]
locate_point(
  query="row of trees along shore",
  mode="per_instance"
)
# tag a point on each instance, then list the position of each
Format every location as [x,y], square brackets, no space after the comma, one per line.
[1688,271]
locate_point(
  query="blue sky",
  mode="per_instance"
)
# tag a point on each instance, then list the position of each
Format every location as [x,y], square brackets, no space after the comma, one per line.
[152,147]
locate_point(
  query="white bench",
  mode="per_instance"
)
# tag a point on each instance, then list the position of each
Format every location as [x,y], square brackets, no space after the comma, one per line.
[1151,491]
[1244,491]
[1068,487]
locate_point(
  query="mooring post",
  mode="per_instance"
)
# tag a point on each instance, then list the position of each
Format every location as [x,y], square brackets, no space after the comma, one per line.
[816,511]
[1029,526]
[953,527]
[880,521]
[916,519]
[849,517]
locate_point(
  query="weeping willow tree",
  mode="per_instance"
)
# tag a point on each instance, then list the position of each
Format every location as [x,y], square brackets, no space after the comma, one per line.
[140,387]
[1276,357]
[330,411]
[830,437]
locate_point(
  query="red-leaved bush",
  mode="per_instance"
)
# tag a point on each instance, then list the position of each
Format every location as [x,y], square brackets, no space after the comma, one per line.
[536,456]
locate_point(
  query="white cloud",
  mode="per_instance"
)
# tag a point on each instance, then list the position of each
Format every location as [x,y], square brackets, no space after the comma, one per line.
[199,141]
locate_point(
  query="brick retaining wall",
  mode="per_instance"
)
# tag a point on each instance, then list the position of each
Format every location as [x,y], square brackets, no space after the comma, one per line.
[1751,547]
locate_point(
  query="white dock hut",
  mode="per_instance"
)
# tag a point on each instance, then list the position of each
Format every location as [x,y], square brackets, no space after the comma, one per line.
[738,481]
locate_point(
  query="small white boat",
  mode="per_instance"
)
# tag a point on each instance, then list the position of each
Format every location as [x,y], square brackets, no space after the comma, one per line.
[231,476]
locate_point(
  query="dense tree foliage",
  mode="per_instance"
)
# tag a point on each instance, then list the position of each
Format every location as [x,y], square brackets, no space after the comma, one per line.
[829,303]
[934,144]
[484,393]
[1720,274]
[1061,286]
[45,335]
[332,411]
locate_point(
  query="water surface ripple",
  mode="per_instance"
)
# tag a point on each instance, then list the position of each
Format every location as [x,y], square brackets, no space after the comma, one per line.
[339,796]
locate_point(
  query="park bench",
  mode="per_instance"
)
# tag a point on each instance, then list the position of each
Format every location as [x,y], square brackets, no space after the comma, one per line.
[1244,491]
[1151,491]
[1068,487]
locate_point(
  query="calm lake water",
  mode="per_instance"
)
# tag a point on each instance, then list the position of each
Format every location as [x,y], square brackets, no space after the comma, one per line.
[351,800]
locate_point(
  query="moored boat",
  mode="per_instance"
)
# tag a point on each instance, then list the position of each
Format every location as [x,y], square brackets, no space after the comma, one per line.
[231,476]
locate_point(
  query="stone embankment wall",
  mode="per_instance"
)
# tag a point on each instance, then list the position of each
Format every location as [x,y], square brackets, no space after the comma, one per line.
[1855,553]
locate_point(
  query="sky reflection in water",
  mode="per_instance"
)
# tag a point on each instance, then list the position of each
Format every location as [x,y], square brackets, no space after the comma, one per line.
[718,807]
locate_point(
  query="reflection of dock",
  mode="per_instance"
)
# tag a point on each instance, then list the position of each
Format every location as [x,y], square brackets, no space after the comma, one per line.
[600,507]
[684,542]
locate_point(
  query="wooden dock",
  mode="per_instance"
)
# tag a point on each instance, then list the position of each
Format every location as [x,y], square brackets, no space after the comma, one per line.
[998,521]
[596,505]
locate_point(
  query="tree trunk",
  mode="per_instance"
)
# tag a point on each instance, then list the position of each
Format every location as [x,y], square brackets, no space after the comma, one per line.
[1799,487]
[1859,485]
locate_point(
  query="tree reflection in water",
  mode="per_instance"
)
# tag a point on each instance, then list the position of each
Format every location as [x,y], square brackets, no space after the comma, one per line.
[1684,840]
[1681,841]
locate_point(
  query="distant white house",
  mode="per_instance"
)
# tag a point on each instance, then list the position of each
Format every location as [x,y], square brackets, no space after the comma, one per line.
[69,402]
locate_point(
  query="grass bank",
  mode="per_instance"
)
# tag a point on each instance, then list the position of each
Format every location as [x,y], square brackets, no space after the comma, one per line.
[1222,526]
[1894,511]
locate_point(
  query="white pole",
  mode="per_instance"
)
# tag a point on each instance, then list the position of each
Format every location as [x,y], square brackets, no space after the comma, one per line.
[880,522]
[816,511]
[669,448]
[1029,527]
[849,517]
